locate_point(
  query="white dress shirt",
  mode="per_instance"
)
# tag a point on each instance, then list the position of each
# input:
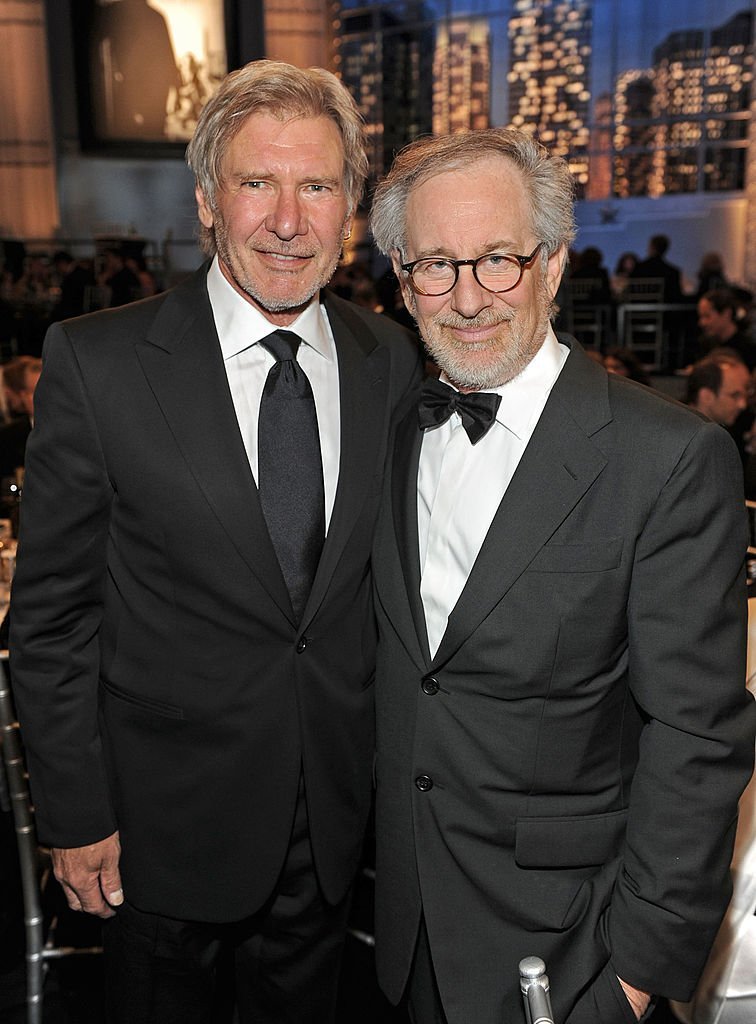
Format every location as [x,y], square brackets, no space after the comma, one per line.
[241,326]
[460,485]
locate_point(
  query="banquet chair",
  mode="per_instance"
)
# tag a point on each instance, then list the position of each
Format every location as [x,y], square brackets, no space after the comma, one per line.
[35,870]
[644,328]
[591,320]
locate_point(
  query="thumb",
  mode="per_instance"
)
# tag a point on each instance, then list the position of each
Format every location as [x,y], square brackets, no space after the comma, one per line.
[110,883]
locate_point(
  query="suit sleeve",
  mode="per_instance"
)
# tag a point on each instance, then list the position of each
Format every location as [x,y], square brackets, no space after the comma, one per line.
[57,605]
[687,620]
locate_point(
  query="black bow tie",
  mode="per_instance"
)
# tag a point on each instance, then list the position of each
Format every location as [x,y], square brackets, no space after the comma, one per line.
[477,409]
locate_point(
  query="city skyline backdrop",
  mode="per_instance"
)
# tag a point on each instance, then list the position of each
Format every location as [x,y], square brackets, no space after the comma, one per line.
[642,98]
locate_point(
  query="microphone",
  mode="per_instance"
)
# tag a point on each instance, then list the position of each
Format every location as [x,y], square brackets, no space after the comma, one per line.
[534,985]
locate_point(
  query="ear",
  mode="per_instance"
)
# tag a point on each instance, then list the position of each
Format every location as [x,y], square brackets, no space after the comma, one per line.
[706,398]
[407,294]
[203,209]
[555,269]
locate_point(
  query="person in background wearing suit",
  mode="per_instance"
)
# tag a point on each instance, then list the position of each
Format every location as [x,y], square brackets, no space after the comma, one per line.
[563,729]
[193,634]
[655,266]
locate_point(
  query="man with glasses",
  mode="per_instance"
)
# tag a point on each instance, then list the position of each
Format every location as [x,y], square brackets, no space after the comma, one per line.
[563,727]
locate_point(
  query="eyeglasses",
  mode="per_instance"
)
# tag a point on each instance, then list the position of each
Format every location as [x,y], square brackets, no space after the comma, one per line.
[495,271]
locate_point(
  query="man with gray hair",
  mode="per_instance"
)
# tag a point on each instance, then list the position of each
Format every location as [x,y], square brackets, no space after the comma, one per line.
[193,637]
[563,725]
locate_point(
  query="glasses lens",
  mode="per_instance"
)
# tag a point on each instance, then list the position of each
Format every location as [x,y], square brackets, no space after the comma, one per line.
[497,271]
[434,277]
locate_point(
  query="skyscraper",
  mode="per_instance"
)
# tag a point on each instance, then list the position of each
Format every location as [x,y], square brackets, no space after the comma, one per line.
[385,59]
[462,76]
[549,77]
[682,124]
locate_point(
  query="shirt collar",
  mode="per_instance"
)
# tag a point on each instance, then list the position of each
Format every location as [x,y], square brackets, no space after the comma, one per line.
[240,324]
[524,396]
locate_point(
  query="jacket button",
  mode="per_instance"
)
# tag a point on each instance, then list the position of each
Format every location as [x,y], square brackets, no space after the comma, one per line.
[424,783]
[301,644]
[430,686]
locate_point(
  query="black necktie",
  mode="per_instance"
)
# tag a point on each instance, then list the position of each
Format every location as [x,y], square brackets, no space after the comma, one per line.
[290,471]
[477,409]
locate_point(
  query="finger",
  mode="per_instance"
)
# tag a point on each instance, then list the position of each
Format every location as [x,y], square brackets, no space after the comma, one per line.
[110,884]
[91,897]
[93,903]
[115,897]
[71,898]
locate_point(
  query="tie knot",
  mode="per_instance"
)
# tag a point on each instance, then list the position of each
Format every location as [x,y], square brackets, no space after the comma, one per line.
[283,345]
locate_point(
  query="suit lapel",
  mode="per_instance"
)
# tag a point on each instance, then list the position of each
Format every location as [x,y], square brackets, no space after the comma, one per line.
[412,626]
[182,361]
[364,372]
[559,465]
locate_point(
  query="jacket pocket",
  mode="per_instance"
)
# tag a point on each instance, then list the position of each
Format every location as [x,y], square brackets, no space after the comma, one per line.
[138,700]
[595,557]
[571,842]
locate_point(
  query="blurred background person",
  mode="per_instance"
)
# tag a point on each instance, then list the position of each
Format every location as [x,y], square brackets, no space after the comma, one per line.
[121,282]
[722,320]
[655,266]
[623,270]
[719,387]
[710,274]
[589,265]
[625,363]
[20,379]
[74,278]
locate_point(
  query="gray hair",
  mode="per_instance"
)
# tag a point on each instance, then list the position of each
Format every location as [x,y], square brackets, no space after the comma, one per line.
[282,91]
[548,182]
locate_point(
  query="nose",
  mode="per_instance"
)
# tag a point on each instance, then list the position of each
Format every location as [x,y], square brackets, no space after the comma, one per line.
[469,297]
[287,217]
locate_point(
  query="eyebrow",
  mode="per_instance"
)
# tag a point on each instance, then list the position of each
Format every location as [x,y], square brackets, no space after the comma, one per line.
[503,247]
[237,177]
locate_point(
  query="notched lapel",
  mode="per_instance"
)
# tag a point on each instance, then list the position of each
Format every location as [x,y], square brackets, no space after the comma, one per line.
[559,465]
[363,400]
[404,599]
[182,362]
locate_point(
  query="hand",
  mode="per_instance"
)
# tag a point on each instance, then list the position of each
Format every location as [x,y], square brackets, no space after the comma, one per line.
[639,1000]
[90,877]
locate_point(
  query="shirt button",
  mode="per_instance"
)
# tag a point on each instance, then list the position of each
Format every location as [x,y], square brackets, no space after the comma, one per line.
[424,783]
[430,686]
[301,644]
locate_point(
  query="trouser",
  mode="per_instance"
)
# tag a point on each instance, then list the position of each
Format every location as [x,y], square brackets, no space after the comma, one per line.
[283,960]
[423,999]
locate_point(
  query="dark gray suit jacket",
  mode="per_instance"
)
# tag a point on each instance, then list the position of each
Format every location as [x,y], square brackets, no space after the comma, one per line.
[163,685]
[584,725]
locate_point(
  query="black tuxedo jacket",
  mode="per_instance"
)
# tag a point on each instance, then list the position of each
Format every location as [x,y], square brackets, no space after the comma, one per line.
[561,779]
[163,686]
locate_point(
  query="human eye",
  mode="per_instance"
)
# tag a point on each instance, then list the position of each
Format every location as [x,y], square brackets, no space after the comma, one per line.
[434,267]
[253,184]
[318,188]
[496,261]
